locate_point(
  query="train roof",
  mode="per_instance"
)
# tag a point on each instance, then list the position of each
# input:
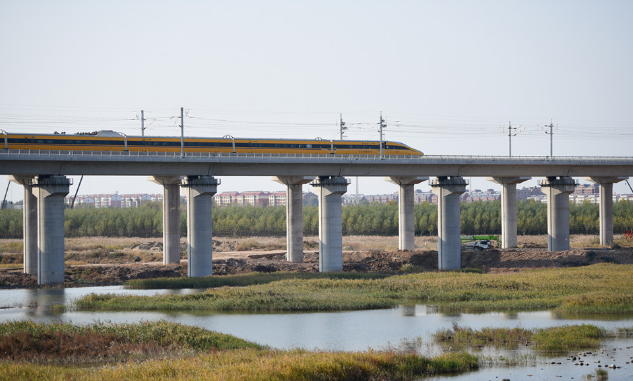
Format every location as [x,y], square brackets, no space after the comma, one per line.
[111,133]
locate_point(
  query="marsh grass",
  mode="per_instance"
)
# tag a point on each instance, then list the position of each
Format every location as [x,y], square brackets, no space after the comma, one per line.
[168,351]
[241,280]
[254,364]
[555,339]
[558,339]
[591,289]
[461,338]
[283,295]
[101,342]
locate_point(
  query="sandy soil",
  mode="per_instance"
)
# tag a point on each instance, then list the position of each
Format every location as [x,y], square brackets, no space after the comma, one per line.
[101,261]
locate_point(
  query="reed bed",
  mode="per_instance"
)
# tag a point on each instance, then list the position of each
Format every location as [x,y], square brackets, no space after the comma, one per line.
[67,343]
[241,280]
[254,364]
[555,339]
[601,288]
[169,351]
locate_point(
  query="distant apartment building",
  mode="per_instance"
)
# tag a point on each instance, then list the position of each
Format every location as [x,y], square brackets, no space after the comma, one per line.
[531,193]
[479,195]
[587,189]
[584,193]
[256,198]
[277,198]
[112,200]
[420,197]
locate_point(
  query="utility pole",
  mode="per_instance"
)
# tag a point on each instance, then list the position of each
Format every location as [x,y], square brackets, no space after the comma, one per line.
[551,139]
[142,122]
[382,125]
[510,139]
[182,132]
[341,126]
[510,135]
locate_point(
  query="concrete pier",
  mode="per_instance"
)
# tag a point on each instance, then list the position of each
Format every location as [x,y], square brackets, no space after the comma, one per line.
[294,215]
[606,206]
[508,209]
[558,191]
[406,212]
[50,192]
[171,217]
[199,190]
[329,190]
[448,191]
[29,224]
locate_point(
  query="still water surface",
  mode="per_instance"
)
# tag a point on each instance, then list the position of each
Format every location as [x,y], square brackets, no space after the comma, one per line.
[338,331]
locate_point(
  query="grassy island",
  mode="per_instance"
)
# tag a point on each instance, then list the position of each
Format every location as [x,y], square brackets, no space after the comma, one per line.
[602,288]
[170,351]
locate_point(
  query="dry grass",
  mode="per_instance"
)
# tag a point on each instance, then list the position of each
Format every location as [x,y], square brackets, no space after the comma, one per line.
[11,246]
[65,343]
[109,243]
[93,250]
[171,351]
[11,266]
[254,364]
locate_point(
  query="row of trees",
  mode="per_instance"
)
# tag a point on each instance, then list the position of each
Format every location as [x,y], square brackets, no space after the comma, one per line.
[373,219]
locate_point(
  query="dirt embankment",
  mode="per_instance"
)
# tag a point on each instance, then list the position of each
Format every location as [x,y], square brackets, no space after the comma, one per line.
[115,263]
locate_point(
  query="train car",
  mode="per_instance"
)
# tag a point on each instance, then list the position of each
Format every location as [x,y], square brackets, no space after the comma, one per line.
[114,141]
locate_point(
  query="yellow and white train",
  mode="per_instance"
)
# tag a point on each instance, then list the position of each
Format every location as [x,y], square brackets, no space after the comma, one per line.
[114,141]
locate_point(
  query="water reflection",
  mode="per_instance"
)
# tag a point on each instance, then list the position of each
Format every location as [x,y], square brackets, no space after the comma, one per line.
[347,330]
[408,310]
[407,327]
[511,315]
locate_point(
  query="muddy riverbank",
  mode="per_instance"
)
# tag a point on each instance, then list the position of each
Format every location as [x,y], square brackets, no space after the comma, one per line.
[112,261]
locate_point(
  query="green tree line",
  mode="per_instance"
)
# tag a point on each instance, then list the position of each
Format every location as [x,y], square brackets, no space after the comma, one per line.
[371,219]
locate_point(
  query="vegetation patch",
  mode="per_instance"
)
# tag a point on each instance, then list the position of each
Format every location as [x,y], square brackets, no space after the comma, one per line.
[258,364]
[39,351]
[366,219]
[579,290]
[68,343]
[240,280]
[283,295]
[555,339]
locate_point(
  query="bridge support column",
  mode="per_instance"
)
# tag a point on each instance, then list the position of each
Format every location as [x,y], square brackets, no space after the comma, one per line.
[171,217]
[508,209]
[448,191]
[50,192]
[330,190]
[200,190]
[29,224]
[294,215]
[406,212]
[606,206]
[558,191]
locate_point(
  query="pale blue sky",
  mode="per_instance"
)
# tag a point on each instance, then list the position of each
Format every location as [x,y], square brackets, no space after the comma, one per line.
[447,75]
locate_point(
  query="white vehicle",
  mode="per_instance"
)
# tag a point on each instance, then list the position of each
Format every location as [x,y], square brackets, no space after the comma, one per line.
[479,245]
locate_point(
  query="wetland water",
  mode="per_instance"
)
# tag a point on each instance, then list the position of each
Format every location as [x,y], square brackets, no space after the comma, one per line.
[346,331]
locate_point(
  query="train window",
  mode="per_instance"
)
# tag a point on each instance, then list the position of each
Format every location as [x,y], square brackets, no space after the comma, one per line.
[308,145]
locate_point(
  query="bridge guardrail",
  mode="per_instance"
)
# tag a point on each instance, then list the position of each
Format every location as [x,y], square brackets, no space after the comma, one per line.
[370,158]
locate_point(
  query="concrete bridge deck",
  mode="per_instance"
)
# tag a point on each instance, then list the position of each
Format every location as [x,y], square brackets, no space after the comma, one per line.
[121,163]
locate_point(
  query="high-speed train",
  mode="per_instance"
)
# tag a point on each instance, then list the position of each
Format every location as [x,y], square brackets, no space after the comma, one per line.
[114,141]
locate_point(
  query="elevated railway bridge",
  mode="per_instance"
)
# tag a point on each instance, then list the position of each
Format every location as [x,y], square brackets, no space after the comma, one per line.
[43,175]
